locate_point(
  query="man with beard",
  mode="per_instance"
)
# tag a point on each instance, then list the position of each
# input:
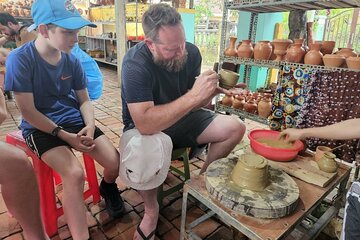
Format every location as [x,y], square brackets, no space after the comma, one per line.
[12,30]
[162,93]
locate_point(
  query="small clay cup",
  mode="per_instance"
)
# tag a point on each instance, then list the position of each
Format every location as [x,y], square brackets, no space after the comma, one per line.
[251,172]
[320,150]
[332,60]
[228,79]
[327,163]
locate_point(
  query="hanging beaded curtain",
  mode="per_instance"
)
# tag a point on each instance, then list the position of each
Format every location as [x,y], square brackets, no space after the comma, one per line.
[331,97]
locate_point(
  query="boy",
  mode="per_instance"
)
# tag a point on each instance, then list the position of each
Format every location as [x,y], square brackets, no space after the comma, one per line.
[50,90]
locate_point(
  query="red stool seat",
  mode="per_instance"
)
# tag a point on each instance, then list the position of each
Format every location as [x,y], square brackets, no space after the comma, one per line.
[46,176]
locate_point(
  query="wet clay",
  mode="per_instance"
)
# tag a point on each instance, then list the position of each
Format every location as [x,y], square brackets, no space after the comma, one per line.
[271,142]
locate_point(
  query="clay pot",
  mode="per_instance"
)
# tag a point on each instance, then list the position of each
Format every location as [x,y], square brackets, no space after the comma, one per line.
[333,60]
[353,62]
[264,107]
[327,47]
[227,100]
[262,50]
[280,46]
[251,172]
[320,150]
[230,51]
[295,53]
[250,106]
[327,163]
[228,79]
[314,56]
[238,102]
[346,52]
[245,49]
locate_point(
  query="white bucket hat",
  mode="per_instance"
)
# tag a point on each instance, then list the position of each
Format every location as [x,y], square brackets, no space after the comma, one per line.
[144,159]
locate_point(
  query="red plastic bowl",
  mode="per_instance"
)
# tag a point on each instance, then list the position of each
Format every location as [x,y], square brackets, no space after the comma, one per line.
[273,153]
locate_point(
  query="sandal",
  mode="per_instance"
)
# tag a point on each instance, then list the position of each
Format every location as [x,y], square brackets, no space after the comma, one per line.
[143,235]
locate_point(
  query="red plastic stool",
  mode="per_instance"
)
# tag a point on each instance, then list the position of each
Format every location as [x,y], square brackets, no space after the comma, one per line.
[46,176]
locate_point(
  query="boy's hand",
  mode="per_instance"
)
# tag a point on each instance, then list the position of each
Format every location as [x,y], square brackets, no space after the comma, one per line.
[87,135]
[291,134]
[78,142]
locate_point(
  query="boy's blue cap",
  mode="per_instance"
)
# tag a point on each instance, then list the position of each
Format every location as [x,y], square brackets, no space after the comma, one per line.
[59,12]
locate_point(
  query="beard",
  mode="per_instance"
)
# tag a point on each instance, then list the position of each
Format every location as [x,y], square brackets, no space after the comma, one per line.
[173,65]
[12,32]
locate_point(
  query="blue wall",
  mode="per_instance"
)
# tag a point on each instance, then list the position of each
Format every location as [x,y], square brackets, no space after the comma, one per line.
[265,31]
[188,20]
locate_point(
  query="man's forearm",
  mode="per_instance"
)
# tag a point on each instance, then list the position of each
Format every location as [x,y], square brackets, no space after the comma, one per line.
[87,112]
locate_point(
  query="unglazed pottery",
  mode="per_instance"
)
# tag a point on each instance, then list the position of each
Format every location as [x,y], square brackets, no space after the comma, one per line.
[262,50]
[250,106]
[333,60]
[280,47]
[320,150]
[227,100]
[314,56]
[228,79]
[264,106]
[353,62]
[251,172]
[245,49]
[327,47]
[346,52]
[239,102]
[230,51]
[295,53]
[327,163]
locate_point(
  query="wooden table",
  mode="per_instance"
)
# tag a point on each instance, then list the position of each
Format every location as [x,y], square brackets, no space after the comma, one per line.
[268,229]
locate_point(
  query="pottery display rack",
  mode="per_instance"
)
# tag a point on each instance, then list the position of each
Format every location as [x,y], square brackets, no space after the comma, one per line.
[267,6]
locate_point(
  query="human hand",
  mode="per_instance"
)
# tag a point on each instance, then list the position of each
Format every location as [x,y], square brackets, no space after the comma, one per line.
[81,143]
[291,134]
[87,135]
[206,86]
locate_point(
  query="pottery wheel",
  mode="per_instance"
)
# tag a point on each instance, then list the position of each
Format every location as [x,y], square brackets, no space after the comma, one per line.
[278,199]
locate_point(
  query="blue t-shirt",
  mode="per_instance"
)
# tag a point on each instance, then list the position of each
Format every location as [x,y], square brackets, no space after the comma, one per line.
[143,80]
[53,87]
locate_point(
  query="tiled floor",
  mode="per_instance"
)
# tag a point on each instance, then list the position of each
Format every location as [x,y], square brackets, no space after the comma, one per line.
[108,118]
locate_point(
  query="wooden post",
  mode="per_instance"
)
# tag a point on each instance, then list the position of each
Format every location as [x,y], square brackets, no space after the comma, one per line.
[120,35]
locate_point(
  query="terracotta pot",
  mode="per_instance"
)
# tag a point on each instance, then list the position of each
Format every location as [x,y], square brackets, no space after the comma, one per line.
[327,47]
[333,60]
[295,53]
[251,172]
[227,100]
[238,102]
[231,50]
[264,107]
[280,46]
[327,163]
[245,49]
[314,56]
[346,52]
[250,106]
[320,150]
[353,62]
[262,50]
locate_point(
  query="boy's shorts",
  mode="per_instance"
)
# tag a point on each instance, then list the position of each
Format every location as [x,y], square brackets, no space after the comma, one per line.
[185,131]
[40,142]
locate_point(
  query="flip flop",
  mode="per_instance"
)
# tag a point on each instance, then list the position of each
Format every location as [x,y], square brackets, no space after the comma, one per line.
[143,235]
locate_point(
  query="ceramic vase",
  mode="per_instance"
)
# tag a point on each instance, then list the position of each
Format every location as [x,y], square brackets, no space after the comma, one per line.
[346,52]
[227,100]
[314,56]
[238,102]
[245,49]
[262,50]
[250,106]
[327,47]
[280,47]
[295,53]
[265,106]
[230,51]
